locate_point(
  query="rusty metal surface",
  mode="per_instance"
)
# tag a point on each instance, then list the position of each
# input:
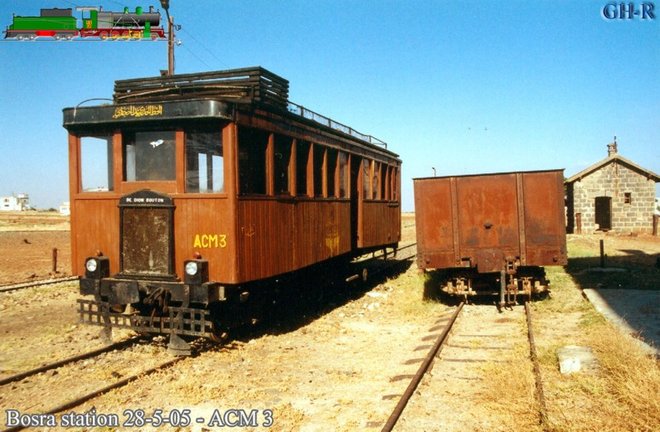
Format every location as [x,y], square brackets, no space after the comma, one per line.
[146,241]
[483,221]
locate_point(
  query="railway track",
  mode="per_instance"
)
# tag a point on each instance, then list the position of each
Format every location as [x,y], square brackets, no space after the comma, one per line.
[31,284]
[34,379]
[63,362]
[466,348]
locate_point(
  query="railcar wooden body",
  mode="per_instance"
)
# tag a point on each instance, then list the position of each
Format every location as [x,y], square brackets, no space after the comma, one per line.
[189,191]
[481,229]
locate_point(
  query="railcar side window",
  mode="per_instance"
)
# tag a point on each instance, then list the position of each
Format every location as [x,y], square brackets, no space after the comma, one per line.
[343,175]
[204,162]
[383,181]
[282,165]
[375,189]
[96,163]
[302,167]
[149,156]
[395,173]
[366,178]
[331,168]
[252,145]
[388,180]
[319,160]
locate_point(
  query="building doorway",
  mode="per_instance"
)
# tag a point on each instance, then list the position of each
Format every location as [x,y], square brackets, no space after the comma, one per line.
[604,213]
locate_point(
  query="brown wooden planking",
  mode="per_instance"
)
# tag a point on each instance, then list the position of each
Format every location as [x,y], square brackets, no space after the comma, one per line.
[278,237]
[92,233]
[245,85]
[381,224]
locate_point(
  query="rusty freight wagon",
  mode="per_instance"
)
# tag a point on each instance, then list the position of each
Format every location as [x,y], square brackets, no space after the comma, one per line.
[191,195]
[491,233]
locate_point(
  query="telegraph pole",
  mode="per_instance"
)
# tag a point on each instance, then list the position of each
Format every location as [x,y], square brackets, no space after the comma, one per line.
[170,37]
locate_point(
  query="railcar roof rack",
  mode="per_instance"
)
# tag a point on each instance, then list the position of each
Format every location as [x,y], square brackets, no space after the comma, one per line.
[245,85]
[240,85]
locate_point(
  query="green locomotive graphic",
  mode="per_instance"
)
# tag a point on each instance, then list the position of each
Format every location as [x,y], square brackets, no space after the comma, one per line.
[96,23]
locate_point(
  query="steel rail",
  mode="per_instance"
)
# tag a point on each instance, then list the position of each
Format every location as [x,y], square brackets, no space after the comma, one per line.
[398,410]
[543,410]
[121,383]
[22,285]
[60,363]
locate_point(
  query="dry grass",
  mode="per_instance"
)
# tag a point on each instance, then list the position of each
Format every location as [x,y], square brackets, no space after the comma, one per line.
[622,395]
[632,378]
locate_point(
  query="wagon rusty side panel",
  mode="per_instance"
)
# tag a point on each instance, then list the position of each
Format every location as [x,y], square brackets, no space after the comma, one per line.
[486,221]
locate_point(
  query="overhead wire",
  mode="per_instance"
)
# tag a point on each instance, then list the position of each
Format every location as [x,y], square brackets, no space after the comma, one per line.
[203,46]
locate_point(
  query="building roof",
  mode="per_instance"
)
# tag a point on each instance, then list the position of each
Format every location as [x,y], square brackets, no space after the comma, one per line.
[614,157]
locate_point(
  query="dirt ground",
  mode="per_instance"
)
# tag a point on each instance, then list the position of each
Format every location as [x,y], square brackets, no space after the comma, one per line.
[27,240]
[341,362]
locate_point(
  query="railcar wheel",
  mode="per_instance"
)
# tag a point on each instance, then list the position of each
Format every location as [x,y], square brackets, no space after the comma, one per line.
[365,275]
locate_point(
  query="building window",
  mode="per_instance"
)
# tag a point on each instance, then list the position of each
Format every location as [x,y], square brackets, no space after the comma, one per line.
[627,198]
[252,145]
[149,156]
[204,162]
[96,163]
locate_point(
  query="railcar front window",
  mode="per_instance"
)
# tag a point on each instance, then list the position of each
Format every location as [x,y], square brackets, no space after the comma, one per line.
[96,163]
[149,156]
[204,162]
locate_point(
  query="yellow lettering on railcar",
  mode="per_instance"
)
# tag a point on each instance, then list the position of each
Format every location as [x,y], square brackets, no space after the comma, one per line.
[210,241]
[137,111]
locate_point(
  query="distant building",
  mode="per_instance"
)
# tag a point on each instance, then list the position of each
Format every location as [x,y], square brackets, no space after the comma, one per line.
[614,194]
[65,208]
[16,202]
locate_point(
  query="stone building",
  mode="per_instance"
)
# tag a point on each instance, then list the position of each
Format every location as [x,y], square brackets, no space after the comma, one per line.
[614,194]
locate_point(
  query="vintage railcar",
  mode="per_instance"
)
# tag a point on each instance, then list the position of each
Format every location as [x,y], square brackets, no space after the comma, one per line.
[192,194]
[487,230]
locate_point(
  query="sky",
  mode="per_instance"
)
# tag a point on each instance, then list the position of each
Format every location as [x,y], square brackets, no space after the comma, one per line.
[462,87]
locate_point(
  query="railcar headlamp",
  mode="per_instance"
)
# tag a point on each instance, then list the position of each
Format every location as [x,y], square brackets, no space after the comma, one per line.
[191,268]
[91,265]
[196,271]
[97,267]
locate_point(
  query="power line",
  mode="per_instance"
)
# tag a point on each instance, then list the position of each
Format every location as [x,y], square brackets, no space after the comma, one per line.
[203,46]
